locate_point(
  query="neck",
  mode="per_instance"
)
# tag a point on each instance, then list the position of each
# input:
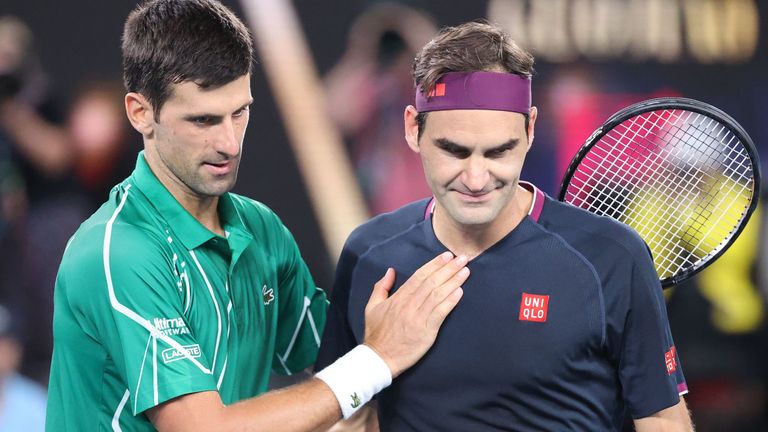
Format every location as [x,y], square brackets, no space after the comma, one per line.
[203,208]
[472,240]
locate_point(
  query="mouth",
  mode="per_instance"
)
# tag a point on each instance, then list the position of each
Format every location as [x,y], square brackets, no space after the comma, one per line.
[219,168]
[474,197]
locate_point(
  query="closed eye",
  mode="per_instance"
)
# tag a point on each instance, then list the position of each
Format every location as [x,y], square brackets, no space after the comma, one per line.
[453,149]
[462,152]
[502,150]
[497,152]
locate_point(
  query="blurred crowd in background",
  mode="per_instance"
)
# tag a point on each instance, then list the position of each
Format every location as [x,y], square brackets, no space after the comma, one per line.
[59,157]
[58,160]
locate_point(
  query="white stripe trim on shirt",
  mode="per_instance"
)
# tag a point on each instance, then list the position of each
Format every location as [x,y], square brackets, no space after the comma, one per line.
[223,371]
[126,311]
[118,411]
[314,328]
[229,312]
[154,369]
[288,350]
[69,242]
[215,306]
[229,321]
[189,296]
[141,372]
[282,362]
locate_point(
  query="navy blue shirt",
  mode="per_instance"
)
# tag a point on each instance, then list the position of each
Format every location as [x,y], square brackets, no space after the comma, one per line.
[562,325]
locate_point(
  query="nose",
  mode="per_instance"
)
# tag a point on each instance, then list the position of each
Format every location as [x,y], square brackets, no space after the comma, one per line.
[227,139]
[475,176]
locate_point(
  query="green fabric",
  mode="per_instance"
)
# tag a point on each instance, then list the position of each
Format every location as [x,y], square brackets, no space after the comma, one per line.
[142,278]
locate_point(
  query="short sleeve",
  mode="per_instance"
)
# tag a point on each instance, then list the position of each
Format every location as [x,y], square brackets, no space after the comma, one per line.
[132,302]
[302,309]
[338,338]
[649,369]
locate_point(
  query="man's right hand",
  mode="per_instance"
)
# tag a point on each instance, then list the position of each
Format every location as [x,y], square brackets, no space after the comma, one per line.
[402,327]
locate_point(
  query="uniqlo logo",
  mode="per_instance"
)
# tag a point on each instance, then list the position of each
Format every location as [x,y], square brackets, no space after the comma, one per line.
[439,90]
[534,307]
[669,359]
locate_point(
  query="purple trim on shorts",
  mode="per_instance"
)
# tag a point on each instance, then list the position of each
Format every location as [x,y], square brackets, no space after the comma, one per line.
[477,91]
[682,388]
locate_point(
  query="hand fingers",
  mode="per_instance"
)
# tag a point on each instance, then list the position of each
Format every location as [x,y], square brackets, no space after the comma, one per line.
[439,277]
[381,288]
[437,295]
[441,311]
[424,272]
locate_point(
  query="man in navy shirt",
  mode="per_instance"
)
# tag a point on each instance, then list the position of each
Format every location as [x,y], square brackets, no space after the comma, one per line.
[562,325]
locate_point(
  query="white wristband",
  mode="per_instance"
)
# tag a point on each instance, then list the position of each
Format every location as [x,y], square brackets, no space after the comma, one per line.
[356,377]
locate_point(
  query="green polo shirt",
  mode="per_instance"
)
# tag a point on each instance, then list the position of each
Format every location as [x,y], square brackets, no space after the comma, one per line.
[150,305]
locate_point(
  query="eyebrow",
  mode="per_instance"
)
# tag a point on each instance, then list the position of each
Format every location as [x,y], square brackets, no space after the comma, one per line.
[215,117]
[453,147]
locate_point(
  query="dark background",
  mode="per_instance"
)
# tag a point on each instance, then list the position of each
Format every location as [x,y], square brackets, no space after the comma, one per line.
[79,40]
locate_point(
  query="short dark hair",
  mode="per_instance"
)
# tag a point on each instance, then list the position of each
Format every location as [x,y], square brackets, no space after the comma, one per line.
[168,42]
[469,47]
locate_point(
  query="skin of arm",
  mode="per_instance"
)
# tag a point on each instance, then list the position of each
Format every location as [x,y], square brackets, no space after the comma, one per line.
[365,420]
[400,328]
[307,406]
[48,147]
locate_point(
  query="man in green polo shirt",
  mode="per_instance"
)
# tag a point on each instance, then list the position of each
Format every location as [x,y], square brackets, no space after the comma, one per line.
[176,299]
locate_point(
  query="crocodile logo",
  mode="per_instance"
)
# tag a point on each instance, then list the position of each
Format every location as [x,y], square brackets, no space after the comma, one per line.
[269,295]
[355,400]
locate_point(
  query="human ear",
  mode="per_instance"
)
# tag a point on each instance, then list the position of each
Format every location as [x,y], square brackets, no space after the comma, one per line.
[140,113]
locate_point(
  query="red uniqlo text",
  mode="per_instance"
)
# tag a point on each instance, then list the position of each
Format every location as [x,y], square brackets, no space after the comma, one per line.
[534,307]
[669,359]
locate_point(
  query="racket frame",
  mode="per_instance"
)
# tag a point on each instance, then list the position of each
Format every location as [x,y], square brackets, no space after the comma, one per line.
[676,103]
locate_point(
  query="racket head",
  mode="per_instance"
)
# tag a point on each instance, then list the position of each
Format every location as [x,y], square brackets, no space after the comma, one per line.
[681,172]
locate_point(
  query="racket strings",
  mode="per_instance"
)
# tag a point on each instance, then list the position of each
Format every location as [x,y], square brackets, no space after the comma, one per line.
[617,172]
[641,221]
[691,178]
[677,253]
[681,179]
[687,177]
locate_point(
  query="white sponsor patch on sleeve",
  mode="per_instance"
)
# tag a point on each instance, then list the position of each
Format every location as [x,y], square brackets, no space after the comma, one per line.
[172,354]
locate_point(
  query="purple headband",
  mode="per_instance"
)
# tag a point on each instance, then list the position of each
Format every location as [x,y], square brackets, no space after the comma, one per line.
[477,90]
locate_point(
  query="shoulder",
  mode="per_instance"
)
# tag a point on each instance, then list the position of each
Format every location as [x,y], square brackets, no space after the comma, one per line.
[590,233]
[110,245]
[250,208]
[99,237]
[377,231]
[618,255]
[386,226]
[257,216]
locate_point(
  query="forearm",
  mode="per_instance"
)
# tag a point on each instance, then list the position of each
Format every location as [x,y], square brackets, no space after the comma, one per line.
[364,420]
[46,146]
[673,419]
[308,406]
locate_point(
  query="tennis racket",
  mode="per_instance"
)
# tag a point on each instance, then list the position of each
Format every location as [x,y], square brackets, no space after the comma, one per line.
[680,172]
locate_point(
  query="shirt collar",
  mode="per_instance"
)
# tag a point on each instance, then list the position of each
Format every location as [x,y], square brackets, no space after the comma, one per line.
[189,230]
